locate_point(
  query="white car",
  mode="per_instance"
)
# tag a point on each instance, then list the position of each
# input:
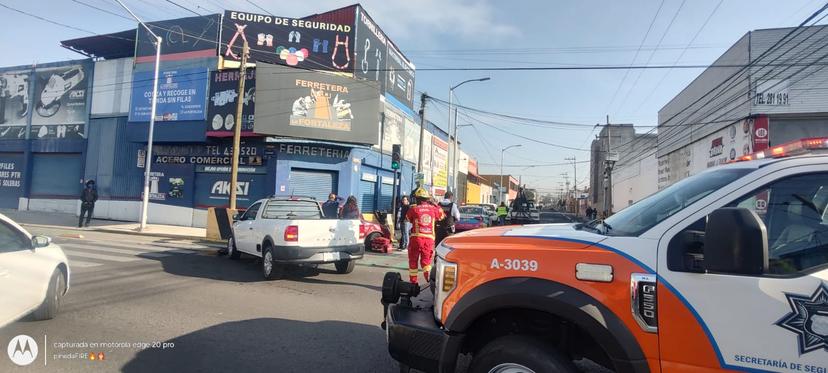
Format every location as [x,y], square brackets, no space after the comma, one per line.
[34,274]
[292,230]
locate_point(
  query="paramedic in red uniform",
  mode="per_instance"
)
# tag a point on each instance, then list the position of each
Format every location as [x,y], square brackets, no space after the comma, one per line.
[424,216]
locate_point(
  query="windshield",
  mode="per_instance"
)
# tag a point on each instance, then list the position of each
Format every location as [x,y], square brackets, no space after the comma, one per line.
[471,210]
[638,218]
[292,210]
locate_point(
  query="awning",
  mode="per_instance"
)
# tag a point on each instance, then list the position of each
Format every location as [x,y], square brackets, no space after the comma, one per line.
[106,46]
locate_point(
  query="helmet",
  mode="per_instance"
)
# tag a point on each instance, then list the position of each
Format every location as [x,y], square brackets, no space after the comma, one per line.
[421,193]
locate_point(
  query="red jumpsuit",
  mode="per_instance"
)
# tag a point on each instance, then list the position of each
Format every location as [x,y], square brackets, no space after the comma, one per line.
[424,216]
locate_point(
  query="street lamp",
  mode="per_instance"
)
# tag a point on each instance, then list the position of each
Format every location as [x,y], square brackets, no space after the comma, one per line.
[500,192]
[453,132]
[148,160]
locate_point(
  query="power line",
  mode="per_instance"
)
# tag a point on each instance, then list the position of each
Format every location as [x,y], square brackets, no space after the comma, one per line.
[183,7]
[46,19]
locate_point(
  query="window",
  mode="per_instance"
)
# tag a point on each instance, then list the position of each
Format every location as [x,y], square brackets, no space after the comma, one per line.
[12,240]
[638,218]
[795,215]
[251,212]
[306,210]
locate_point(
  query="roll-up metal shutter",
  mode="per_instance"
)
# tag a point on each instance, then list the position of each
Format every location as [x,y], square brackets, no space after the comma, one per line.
[366,196]
[313,183]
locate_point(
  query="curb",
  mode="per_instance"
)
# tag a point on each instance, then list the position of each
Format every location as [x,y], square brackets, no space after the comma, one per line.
[200,240]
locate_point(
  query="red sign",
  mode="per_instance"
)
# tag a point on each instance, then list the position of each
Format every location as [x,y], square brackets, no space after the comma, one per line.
[760,133]
[473,167]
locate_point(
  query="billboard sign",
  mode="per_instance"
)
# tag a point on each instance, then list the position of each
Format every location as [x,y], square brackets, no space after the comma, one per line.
[392,130]
[182,38]
[221,105]
[399,82]
[411,141]
[171,184]
[370,50]
[316,105]
[181,95]
[309,44]
[60,101]
[439,163]
[14,103]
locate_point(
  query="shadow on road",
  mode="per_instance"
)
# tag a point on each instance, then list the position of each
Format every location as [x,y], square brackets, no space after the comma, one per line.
[271,345]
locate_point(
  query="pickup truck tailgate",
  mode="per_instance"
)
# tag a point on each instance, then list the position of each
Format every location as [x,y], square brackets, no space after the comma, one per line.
[328,233]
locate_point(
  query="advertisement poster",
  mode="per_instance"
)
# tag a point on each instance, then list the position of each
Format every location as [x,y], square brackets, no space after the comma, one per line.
[392,129]
[14,103]
[316,105]
[309,44]
[439,163]
[213,189]
[60,109]
[427,158]
[411,141]
[222,103]
[181,95]
[11,179]
[370,50]
[399,82]
[171,184]
[190,37]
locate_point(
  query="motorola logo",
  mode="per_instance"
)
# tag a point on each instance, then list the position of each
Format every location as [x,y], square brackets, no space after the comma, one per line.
[22,350]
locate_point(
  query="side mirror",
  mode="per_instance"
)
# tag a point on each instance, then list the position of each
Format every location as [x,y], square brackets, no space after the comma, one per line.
[40,241]
[735,242]
[235,217]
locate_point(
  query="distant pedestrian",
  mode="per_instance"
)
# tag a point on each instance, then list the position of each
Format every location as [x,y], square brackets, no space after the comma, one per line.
[502,212]
[88,198]
[331,207]
[350,210]
[402,223]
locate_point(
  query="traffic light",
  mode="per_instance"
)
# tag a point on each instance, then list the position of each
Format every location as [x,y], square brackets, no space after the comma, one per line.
[395,157]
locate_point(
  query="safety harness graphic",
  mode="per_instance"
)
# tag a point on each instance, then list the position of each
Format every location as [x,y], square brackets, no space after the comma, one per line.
[347,53]
[239,31]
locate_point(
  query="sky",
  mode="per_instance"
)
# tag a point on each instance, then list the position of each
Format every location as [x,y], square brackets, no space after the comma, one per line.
[489,33]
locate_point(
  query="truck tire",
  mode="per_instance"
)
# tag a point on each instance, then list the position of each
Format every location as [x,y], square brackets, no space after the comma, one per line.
[54,296]
[232,250]
[522,353]
[270,269]
[344,267]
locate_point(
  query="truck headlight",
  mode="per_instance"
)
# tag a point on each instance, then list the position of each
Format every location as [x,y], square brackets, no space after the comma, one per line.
[446,280]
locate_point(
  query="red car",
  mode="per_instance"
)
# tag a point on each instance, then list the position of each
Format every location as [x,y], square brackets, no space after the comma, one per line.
[472,217]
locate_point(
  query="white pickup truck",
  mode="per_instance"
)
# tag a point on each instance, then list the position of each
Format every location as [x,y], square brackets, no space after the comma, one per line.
[293,230]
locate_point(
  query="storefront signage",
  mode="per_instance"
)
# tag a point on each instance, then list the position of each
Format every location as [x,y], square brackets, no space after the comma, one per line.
[392,129]
[171,184]
[227,169]
[222,102]
[213,189]
[14,103]
[473,167]
[181,95]
[10,175]
[439,162]
[190,37]
[314,151]
[206,160]
[11,179]
[59,109]
[411,141]
[771,92]
[308,44]
[370,49]
[369,177]
[316,105]
[399,81]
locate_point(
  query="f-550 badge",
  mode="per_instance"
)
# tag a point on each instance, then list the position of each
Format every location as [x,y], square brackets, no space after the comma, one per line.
[809,319]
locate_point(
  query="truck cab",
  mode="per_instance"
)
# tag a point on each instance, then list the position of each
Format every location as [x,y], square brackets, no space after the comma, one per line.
[724,270]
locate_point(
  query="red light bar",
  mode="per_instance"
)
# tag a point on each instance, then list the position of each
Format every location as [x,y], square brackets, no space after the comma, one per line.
[797,147]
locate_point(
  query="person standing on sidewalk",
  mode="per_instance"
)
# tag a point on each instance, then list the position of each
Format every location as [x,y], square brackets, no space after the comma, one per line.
[423,217]
[88,198]
[403,224]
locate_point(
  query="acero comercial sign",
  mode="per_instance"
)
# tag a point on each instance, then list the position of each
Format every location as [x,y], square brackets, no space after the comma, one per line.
[307,104]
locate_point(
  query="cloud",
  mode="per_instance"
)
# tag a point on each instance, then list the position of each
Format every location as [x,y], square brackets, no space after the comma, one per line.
[464,20]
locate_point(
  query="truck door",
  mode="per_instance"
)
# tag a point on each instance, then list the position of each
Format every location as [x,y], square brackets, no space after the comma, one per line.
[245,234]
[774,321]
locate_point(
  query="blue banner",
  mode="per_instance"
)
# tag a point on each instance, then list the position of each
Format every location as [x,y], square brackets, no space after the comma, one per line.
[213,189]
[181,95]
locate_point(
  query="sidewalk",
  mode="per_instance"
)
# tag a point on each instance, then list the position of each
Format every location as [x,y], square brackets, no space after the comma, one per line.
[70,221]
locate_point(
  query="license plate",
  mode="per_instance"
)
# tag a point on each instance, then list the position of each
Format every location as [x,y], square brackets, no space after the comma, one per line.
[330,257]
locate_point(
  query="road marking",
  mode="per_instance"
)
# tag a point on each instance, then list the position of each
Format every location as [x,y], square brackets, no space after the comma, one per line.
[119,251]
[101,256]
[82,264]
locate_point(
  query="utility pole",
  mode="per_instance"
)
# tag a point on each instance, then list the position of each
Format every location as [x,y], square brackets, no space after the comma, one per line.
[575,182]
[609,161]
[566,189]
[423,98]
[234,170]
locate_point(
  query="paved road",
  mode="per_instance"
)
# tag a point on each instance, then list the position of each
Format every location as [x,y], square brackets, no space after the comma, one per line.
[206,313]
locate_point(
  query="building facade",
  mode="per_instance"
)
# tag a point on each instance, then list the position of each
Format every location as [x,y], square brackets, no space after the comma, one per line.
[612,138]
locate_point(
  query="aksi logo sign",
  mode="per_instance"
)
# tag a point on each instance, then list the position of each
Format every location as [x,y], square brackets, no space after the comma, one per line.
[223,188]
[22,350]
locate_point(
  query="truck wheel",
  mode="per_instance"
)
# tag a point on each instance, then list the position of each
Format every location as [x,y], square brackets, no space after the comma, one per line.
[232,251]
[517,353]
[345,266]
[404,368]
[368,240]
[270,269]
[51,305]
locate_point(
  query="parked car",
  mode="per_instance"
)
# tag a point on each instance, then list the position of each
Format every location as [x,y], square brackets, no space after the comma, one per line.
[291,231]
[491,210]
[472,217]
[34,274]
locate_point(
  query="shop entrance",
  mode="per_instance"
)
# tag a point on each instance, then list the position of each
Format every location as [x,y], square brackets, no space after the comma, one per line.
[313,183]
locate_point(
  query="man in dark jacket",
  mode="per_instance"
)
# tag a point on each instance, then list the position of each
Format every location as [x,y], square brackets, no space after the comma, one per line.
[88,198]
[331,207]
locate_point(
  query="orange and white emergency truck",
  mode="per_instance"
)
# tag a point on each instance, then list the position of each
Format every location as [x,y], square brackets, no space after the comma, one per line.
[724,270]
